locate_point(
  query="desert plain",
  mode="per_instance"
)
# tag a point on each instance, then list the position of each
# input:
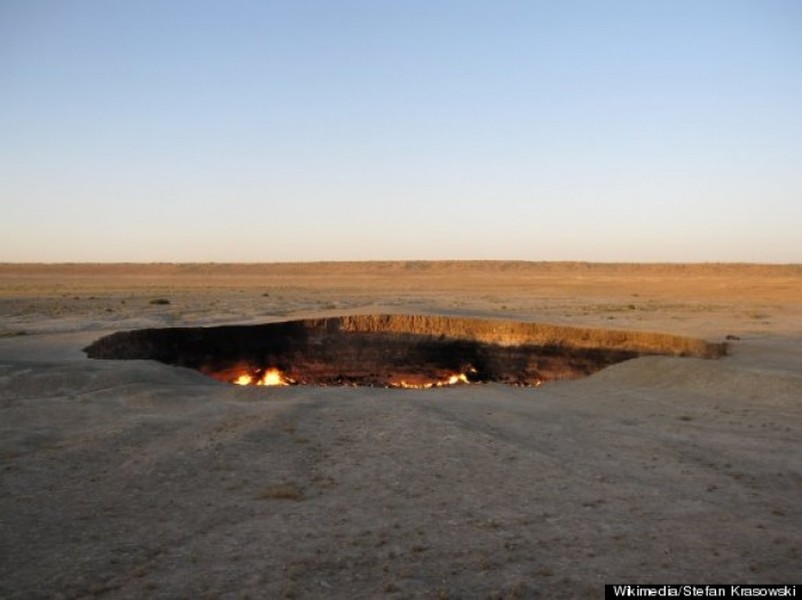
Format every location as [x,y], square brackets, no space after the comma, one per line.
[132,479]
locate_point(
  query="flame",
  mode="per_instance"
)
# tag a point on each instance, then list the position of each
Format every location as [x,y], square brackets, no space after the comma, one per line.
[267,377]
[459,378]
[454,379]
[273,377]
[411,386]
[243,379]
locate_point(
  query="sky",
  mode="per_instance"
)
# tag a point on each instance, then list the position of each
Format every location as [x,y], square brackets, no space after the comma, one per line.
[300,130]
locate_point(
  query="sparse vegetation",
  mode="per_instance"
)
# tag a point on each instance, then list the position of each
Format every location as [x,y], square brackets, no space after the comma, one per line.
[7,334]
[281,491]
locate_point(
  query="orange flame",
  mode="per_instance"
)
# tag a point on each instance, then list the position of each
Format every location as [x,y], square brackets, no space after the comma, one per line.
[273,377]
[267,377]
[243,379]
[455,379]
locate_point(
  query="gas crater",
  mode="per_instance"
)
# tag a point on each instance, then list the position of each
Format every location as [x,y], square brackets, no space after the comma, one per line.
[406,351]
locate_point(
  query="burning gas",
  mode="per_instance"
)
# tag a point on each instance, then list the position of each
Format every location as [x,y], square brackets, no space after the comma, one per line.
[265,377]
[244,374]
[455,379]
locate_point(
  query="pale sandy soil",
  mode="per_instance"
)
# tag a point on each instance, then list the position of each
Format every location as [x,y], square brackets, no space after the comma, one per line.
[135,479]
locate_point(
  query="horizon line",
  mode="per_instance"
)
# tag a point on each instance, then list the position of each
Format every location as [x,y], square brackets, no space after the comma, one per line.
[395,261]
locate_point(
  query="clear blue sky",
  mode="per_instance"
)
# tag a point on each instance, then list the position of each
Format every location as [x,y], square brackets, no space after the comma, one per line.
[641,130]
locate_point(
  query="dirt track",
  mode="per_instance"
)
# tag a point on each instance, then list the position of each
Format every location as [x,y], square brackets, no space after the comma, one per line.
[132,479]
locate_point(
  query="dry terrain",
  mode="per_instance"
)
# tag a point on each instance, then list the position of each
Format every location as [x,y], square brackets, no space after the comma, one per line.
[131,479]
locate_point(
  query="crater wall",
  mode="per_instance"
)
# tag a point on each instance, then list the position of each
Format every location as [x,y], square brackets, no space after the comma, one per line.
[388,349]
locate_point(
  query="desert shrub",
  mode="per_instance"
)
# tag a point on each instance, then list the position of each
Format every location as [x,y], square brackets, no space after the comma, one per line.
[282,491]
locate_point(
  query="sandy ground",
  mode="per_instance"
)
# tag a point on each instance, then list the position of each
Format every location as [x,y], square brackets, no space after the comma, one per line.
[134,479]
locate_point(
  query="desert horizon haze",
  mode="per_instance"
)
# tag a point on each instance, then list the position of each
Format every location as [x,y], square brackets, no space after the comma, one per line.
[252,131]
